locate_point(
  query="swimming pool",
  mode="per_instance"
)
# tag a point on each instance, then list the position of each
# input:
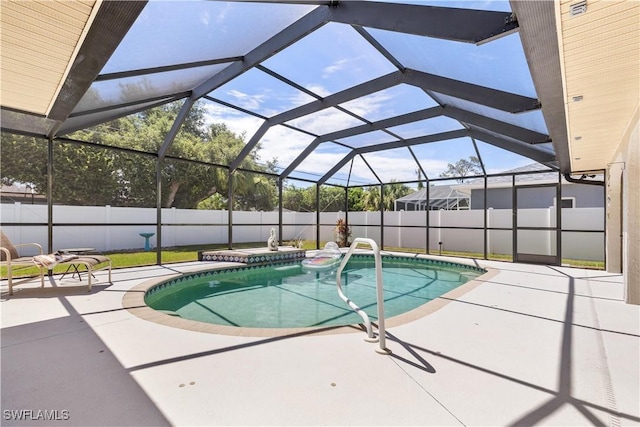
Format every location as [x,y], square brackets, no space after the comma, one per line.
[286,296]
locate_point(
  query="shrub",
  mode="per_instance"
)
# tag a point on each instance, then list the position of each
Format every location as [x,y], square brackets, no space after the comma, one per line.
[343,233]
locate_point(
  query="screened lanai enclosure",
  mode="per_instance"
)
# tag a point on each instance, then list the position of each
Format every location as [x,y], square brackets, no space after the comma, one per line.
[211,122]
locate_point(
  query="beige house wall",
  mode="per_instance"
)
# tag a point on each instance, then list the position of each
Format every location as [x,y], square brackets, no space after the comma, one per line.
[614,217]
[623,211]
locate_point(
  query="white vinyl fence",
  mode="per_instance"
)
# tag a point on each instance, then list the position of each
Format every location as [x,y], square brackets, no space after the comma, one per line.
[402,229]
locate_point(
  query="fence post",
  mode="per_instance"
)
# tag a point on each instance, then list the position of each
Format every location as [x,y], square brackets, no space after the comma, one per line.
[107,220]
[400,228]
[489,213]
[18,218]
[366,224]
[262,226]
[550,246]
[440,231]
[173,226]
[222,219]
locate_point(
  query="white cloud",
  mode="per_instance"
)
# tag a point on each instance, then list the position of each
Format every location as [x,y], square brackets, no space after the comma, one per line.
[318,90]
[205,17]
[339,65]
[368,105]
[320,162]
[388,167]
[237,122]
[280,142]
[248,102]
[331,119]
[284,144]
[433,167]
[222,14]
[326,121]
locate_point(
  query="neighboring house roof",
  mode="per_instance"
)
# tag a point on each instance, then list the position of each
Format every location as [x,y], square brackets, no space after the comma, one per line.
[548,176]
[17,188]
[435,192]
[543,175]
[463,190]
[20,193]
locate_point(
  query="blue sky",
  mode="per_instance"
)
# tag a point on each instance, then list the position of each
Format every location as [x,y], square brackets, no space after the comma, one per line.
[327,61]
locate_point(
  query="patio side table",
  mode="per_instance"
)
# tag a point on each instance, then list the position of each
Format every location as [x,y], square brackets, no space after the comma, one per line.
[74,267]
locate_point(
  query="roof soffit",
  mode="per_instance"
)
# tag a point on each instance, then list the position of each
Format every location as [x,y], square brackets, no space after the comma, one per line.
[601,75]
[40,41]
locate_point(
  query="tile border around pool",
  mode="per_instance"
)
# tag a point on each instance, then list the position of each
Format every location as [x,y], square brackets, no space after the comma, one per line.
[133,301]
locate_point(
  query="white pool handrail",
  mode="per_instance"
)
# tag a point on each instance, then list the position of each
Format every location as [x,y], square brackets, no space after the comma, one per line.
[379,293]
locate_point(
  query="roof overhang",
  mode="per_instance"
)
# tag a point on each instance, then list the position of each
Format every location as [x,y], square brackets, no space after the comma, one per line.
[540,43]
[40,43]
[586,71]
[601,74]
[51,54]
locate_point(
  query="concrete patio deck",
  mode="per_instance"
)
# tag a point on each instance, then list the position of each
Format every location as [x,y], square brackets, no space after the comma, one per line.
[530,345]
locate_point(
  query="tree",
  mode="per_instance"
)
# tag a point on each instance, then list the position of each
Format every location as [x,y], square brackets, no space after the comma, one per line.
[392,192]
[254,192]
[293,199]
[304,199]
[372,200]
[92,175]
[82,174]
[420,183]
[215,202]
[462,169]
[24,160]
[332,199]
[355,199]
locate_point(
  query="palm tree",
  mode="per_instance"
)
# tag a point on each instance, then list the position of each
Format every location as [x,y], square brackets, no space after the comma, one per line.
[420,184]
[392,192]
[371,199]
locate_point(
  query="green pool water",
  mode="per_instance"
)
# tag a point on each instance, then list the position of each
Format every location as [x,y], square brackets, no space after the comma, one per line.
[287,296]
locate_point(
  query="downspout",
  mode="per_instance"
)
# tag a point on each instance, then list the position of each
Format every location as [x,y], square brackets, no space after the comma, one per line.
[582,180]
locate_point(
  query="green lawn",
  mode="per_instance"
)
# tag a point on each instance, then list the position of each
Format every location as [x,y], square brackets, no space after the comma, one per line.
[598,265]
[137,258]
[190,253]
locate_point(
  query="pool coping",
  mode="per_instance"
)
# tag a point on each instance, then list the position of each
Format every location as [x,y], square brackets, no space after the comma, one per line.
[133,302]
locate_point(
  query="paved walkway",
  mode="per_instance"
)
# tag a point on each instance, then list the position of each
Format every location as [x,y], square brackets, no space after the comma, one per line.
[530,345]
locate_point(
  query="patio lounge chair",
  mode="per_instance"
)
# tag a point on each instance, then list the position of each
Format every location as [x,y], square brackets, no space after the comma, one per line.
[11,259]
